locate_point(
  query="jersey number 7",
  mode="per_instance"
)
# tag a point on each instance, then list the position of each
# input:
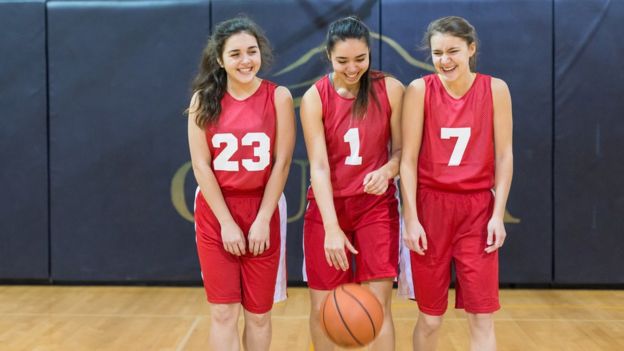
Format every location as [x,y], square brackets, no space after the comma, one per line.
[462,135]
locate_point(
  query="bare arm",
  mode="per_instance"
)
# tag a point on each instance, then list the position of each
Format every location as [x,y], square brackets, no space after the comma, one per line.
[503,131]
[284,145]
[232,236]
[412,130]
[314,135]
[376,182]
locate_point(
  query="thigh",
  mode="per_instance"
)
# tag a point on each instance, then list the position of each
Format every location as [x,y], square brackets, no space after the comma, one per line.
[477,271]
[320,275]
[376,236]
[431,272]
[222,285]
[259,273]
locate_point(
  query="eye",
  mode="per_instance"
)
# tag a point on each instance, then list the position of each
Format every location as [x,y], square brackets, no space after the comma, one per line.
[342,62]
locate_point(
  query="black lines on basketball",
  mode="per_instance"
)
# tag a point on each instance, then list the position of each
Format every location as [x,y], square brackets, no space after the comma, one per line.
[370,319]
[351,315]
[342,318]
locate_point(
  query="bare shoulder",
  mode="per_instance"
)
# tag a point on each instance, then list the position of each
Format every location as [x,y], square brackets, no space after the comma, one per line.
[393,84]
[499,87]
[311,95]
[282,94]
[417,84]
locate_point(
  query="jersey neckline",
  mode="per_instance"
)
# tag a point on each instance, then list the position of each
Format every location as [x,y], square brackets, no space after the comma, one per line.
[248,97]
[477,75]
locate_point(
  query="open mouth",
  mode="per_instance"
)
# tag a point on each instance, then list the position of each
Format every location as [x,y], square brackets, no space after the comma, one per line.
[448,69]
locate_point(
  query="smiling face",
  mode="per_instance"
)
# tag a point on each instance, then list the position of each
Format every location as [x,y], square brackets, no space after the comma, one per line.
[350,60]
[241,58]
[451,56]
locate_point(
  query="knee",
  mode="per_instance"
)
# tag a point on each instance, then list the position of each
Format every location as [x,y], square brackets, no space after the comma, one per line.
[429,324]
[258,320]
[225,315]
[481,323]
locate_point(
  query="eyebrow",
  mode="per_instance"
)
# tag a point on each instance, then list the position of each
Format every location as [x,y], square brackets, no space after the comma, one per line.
[344,58]
[237,50]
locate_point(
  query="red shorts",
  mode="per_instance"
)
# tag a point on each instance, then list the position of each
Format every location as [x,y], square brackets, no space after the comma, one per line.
[371,223]
[456,228]
[249,280]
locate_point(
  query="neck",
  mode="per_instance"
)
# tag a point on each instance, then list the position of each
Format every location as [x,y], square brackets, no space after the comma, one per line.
[461,85]
[242,90]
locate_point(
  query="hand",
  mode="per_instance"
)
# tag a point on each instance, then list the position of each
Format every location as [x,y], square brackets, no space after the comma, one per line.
[496,234]
[258,237]
[376,182]
[414,236]
[335,242]
[233,239]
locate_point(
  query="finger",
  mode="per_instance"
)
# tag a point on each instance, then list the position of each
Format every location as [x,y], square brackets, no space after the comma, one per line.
[490,237]
[263,247]
[491,249]
[367,179]
[350,247]
[328,259]
[227,248]
[342,259]
[235,250]
[241,246]
[423,241]
[254,247]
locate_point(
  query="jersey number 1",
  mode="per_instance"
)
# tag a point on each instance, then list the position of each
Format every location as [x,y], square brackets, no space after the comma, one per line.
[261,150]
[352,136]
[462,135]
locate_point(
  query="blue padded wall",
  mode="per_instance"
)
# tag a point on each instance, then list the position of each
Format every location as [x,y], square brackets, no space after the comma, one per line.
[23,142]
[119,83]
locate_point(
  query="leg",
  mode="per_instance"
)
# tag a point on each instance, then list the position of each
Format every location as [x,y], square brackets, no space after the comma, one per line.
[426,332]
[257,332]
[482,337]
[320,341]
[383,290]
[224,326]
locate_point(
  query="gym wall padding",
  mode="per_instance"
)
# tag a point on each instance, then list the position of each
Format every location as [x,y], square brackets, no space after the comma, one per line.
[119,83]
[589,130]
[93,94]
[516,46]
[23,142]
[300,29]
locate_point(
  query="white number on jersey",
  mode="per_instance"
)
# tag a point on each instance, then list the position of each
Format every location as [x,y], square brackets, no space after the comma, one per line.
[352,136]
[462,135]
[261,150]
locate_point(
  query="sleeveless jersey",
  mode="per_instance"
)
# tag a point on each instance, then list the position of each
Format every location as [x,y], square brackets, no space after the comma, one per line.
[457,151]
[241,142]
[355,146]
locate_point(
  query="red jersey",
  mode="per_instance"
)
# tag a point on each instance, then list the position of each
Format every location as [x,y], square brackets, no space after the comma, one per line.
[241,142]
[457,152]
[355,146]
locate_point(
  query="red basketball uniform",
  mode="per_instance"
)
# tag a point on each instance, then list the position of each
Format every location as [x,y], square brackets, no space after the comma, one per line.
[355,147]
[241,146]
[454,198]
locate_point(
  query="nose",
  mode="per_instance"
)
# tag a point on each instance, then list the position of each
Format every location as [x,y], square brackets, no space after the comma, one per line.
[246,58]
[444,58]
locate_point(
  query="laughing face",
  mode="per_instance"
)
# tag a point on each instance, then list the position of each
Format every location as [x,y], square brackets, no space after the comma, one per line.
[241,58]
[350,60]
[451,56]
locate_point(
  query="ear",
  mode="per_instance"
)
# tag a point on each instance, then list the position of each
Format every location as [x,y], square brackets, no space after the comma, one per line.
[220,63]
[472,48]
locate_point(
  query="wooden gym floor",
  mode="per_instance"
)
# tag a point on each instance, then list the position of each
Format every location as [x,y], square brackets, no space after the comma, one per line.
[46,318]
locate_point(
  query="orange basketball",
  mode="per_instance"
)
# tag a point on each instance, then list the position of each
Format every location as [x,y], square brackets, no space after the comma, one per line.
[351,316]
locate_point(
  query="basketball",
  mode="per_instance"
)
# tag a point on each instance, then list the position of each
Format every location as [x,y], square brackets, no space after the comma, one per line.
[351,316]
